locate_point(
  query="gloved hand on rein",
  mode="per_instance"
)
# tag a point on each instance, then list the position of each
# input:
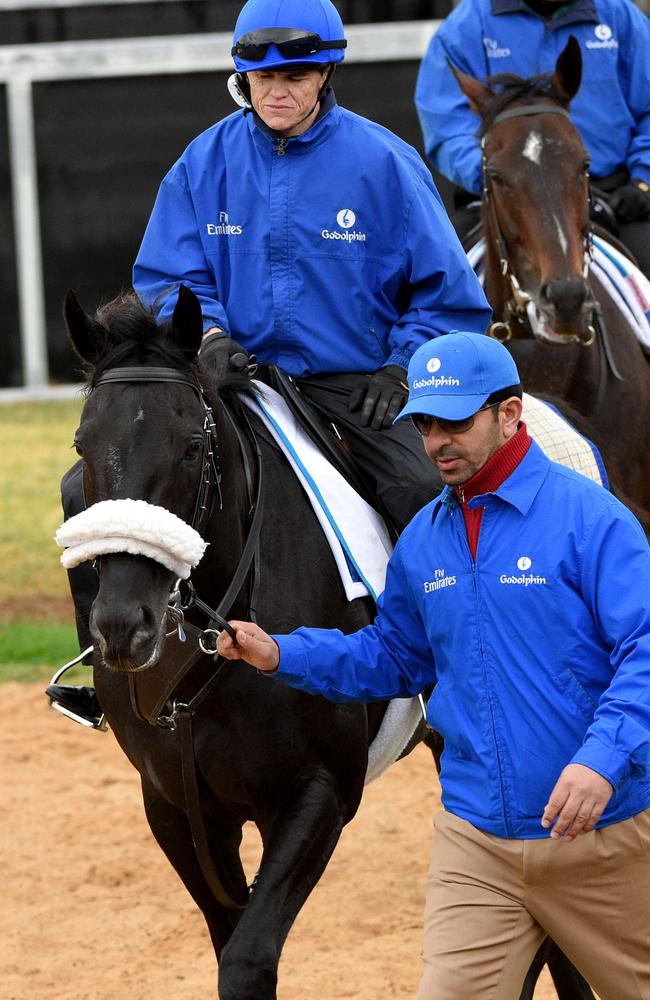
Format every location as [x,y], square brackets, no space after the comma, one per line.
[631,203]
[380,396]
[221,355]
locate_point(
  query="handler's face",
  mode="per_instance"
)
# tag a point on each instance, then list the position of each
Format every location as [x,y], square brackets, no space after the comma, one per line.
[459,456]
[286,102]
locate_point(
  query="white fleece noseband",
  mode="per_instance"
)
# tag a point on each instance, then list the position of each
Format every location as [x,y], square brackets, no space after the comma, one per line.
[132,526]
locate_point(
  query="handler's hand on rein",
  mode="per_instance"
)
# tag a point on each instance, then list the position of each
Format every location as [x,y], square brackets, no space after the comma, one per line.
[254,645]
[576,803]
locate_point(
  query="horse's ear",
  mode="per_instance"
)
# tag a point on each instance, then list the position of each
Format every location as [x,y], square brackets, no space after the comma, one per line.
[477,93]
[85,333]
[187,323]
[568,69]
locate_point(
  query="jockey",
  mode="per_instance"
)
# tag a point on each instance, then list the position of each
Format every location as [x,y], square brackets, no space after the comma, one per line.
[318,241]
[525,37]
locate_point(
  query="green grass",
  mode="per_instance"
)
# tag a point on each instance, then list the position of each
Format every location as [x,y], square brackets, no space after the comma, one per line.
[35,451]
[31,651]
[36,626]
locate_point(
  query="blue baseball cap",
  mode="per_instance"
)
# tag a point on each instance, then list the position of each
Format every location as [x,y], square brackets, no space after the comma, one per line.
[453,375]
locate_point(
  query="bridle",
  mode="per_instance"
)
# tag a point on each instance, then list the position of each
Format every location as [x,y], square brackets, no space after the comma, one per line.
[181,713]
[208,491]
[520,306]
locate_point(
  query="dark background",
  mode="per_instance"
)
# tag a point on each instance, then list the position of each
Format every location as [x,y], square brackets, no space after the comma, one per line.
[104,146]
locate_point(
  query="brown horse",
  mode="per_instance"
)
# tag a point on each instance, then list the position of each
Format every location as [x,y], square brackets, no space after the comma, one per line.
[568,336]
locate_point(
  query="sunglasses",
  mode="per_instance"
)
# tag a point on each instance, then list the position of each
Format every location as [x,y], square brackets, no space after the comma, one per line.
[424,422]
[293,43]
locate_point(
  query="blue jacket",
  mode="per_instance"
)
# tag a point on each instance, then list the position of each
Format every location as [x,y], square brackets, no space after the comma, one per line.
[540,650]
[485,37]
[328,252]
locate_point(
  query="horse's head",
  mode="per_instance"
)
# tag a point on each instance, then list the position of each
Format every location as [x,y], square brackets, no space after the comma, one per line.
[535,201]
[142,437]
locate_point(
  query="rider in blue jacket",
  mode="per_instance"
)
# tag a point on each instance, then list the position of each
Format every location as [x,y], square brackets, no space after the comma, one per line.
[525,37]
[316,239]
[521,593]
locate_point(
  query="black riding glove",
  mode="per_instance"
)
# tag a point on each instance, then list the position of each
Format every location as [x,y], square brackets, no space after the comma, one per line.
[631,203]
[380,396]
[221,355]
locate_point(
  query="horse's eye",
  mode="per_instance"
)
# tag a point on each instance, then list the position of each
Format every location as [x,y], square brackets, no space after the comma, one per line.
[77,447]
[496,178]
[193,451]
[586,166]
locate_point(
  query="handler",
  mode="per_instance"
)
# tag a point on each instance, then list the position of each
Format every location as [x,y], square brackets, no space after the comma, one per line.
[317,239]
[521,592]
[611,109]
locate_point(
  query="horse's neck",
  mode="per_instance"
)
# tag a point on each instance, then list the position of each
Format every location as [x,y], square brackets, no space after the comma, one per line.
[227,526]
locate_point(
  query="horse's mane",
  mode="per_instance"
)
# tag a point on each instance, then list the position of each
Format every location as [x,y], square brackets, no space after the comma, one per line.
[510,88]
[132,334]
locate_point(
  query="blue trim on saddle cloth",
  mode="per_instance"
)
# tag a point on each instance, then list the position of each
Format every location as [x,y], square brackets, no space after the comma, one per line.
[626,272]
[598,458]
[317,493]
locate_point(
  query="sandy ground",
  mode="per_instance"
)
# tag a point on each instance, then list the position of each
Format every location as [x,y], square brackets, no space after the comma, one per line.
[93,911]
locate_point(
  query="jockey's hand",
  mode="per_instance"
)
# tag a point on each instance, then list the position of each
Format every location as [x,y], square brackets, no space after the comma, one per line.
[220,354]
[380,396]
[254,645]
[576,803]
[631,203]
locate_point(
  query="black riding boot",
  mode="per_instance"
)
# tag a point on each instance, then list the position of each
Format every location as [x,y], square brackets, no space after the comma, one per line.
[74,701]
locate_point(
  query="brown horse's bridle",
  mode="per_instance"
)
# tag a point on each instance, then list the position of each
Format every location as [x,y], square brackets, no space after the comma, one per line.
[520,305]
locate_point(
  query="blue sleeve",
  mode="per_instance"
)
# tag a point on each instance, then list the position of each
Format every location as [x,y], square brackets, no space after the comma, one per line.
[449,126]
[615,576]
[172,254]
[391,658]
[444,292]
[634,66]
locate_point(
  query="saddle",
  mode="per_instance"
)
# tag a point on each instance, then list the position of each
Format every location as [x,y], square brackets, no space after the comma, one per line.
[325,434]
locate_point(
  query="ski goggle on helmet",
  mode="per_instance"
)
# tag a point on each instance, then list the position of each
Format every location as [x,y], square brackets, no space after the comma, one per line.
[271,34]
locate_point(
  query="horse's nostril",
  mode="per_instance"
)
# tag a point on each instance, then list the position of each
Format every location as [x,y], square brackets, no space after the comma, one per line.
[566,296]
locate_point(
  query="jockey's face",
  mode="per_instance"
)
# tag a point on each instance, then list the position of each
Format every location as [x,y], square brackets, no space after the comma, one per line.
[287,101]
[460,456]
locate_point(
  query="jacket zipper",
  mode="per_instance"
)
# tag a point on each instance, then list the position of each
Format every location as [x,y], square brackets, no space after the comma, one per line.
[282,146]
[506,822]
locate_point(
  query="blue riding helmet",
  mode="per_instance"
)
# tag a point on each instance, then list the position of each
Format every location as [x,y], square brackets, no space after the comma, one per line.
[270,34]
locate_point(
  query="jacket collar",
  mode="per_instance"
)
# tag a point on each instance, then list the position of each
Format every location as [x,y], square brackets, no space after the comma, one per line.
[327,118]
[567,13]
[519,489]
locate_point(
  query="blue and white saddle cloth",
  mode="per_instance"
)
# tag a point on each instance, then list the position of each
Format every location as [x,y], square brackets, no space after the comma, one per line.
[623,281]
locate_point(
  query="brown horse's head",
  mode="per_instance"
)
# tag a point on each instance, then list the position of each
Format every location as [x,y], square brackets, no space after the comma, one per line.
[535,201]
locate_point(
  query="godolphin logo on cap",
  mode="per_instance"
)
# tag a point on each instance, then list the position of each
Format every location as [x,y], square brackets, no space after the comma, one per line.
[433,365]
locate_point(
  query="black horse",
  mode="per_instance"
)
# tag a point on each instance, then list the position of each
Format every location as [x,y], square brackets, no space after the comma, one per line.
[154,427]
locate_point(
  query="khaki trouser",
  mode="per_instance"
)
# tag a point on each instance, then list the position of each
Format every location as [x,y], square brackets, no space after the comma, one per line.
[490,902]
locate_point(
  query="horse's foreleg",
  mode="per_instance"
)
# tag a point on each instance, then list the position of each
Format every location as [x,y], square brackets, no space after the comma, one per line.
[171,829]
[568,982]
[299,841]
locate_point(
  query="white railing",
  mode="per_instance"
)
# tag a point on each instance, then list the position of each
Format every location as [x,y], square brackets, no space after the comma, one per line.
[23,65]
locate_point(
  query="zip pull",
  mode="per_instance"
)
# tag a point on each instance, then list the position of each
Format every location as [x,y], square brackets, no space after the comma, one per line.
[461,493]
[282,146]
